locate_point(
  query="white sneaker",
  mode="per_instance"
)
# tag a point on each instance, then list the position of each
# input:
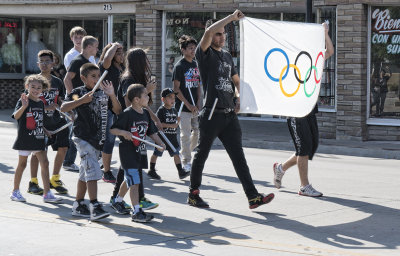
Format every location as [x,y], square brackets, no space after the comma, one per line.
[188,167]
[16,196]
[50,198]
[278,174]
[309,191]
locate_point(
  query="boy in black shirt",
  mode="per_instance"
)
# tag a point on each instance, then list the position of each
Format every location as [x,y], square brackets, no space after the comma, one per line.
[89,135]
[169,121]
[29,113]
[52,121]
[135,120]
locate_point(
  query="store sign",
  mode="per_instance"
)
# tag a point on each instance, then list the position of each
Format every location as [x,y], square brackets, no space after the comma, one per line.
[177,21]
[386,30]
[8,24]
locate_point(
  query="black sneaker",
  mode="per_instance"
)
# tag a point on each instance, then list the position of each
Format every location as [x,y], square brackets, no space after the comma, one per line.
[35,189]
[80,210]
[59,187]
[97,212]
[142,217]
[153,174]
[119,208]
[260,199]
[109,177]
[195,200]
[183,174]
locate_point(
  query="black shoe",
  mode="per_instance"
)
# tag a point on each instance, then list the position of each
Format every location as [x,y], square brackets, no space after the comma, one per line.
[97,212]
[109,177]
[195,200]
[80,210]
[260,199]
[142,217]
[60,187]
[119,208]
[183,174]
[35,189]
[153,174]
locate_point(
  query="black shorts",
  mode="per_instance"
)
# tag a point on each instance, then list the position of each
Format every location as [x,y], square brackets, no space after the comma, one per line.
[59,140]
[304,132]
[174,141]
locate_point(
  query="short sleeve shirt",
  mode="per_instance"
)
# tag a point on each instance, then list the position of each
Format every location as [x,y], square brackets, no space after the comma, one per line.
[30,127]
[75,67]
[91,123]
[69,56]
[216,71]
[187,73]
[133,153]
[113,76]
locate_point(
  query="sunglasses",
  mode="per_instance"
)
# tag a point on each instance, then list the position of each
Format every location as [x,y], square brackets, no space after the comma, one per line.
[220,34]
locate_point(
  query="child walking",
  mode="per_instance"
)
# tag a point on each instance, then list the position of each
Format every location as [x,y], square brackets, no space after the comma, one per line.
[169,120]
[29,113]
[89,135]
[135,120]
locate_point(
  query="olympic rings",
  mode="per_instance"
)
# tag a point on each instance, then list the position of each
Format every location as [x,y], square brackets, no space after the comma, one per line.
[315,71]
[295,63]
[296,71]
[265,63]
[280,80]
[309,72]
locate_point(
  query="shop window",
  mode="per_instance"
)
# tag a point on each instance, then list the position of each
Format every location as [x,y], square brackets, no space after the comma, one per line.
[124,30]
[10,45]
[95,28]
[384,89]
[184,23]
[67,26]
[39,35]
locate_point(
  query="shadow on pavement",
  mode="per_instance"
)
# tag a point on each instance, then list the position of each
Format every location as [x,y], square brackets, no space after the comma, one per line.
[6,169]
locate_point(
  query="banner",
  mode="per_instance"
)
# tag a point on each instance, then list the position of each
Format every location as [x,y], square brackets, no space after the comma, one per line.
[281,66]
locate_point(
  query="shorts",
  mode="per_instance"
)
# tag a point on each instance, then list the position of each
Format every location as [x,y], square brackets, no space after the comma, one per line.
[174,142]
[59,140]
[304,132]
[109,143]
[27,152]
[89,168]
[131,177]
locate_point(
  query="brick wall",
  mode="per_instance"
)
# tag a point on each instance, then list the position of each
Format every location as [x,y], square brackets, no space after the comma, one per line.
[327,125]
[10,91]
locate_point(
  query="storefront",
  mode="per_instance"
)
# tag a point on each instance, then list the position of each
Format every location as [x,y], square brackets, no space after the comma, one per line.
[25,29]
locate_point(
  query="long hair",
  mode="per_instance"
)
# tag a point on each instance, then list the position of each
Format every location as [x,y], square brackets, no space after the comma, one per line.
[137,68]
[103,53]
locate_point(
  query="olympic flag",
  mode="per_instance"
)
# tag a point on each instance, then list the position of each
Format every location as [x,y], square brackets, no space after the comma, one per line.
[281,65]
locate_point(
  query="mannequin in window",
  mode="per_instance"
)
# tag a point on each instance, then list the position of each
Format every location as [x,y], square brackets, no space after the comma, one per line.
[11,53]
[32,47]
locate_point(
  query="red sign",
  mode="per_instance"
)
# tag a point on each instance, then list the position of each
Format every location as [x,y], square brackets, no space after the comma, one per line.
[8,24]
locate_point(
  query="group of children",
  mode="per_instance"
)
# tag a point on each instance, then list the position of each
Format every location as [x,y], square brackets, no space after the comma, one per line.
[44,113]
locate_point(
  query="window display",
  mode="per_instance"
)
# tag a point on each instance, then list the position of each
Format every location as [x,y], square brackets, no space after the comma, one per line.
[10,46]
[384,89]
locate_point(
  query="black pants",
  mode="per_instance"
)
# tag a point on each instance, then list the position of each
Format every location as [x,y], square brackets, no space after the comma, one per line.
[227,128]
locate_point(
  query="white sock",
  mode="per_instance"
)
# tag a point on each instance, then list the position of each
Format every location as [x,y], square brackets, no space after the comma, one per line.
[118,199]
[136,208]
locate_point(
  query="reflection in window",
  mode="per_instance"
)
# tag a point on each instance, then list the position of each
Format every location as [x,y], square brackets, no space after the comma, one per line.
[40,35]
[179,24]
[10,46]
[385,64]
[124,30]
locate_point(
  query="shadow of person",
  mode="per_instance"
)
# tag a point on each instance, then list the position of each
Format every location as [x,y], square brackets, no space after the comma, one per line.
[6,169]
[236,180]
[377,231]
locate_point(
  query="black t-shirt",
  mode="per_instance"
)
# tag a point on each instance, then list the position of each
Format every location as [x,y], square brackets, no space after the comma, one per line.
[113,76]
[30,127]
[52,118]
[167,116]
[133,154]
[123,88]
[75,67]
[216,71]
[187,73]
[91,123]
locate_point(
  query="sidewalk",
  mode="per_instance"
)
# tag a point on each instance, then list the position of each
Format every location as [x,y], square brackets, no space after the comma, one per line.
[275,135]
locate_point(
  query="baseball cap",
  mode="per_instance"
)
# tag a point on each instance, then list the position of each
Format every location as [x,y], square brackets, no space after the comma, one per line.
[166,92]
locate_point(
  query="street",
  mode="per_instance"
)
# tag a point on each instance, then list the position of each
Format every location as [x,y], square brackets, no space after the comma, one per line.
[358,215]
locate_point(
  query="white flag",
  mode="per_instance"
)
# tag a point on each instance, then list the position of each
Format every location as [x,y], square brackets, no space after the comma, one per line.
[281,66]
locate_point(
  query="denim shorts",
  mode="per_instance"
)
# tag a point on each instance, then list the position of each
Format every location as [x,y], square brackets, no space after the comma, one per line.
[110,138]
[89,168]
[132,177]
